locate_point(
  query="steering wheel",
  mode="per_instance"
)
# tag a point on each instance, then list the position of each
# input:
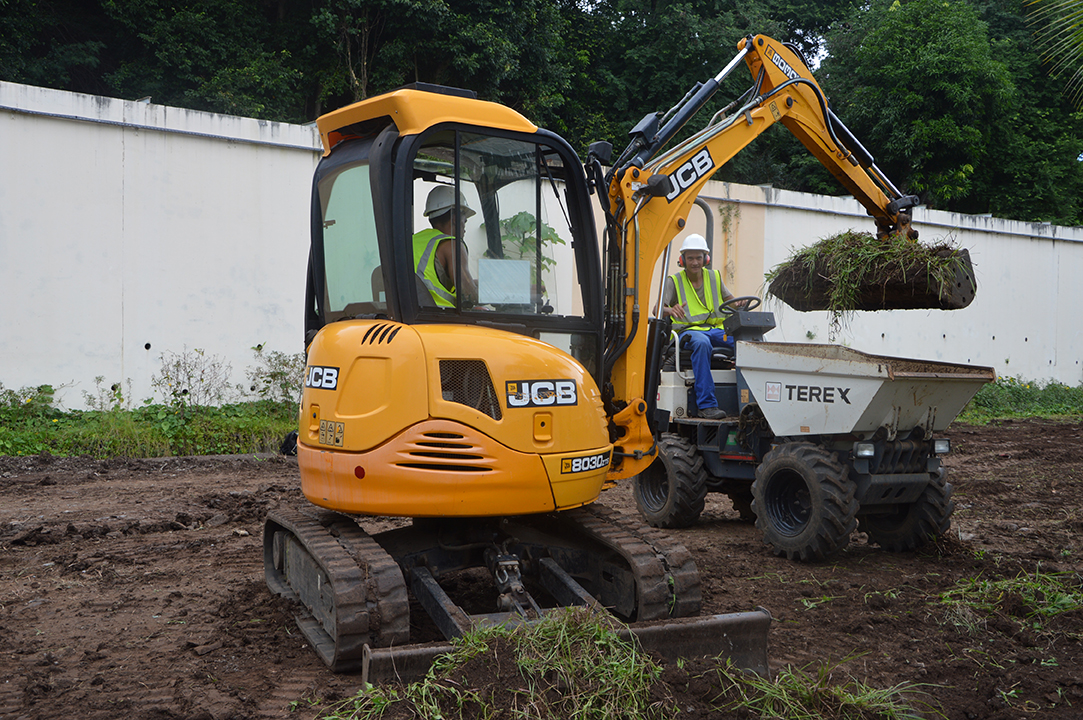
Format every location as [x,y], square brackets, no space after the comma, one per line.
[730,306]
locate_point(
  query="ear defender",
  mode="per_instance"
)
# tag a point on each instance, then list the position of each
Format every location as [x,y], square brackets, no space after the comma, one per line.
[706,260]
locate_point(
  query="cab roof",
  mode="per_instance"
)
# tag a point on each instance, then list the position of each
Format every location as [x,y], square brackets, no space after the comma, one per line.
[414,110]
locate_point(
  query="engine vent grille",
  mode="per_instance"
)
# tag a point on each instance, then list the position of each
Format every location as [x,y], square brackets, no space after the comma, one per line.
[446,452]
[380,333]
[467,382]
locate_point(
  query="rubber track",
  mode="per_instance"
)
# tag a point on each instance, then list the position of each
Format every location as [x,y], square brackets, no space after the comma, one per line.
[369,595]
[667,581]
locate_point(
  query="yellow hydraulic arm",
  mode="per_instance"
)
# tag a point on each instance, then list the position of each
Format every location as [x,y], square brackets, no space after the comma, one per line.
[651,194]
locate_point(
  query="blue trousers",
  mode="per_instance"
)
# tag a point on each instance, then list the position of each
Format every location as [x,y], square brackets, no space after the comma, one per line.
[702,342]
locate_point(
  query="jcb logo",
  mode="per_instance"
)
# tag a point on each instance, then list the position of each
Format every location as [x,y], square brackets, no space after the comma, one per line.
[324,378]
[539,393]
[700,165]
[583,464]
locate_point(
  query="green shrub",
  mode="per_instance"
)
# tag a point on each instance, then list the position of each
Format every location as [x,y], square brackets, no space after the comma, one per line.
[1015,398]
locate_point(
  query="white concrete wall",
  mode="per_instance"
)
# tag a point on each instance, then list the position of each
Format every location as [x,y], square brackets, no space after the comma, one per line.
[129,229]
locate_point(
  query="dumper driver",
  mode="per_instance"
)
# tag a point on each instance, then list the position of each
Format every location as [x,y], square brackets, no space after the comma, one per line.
[691,298]
[434,251]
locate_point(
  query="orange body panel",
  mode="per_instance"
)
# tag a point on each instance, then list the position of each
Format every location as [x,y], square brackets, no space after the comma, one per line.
[440,468]
[387,430]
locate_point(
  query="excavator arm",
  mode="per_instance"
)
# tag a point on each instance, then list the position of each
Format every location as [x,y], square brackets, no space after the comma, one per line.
[651,192]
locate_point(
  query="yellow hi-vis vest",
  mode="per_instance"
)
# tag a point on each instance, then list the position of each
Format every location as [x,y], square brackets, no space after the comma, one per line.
[425,244]
[697,315]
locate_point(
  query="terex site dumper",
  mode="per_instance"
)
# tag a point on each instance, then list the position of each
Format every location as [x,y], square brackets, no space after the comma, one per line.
[821,439]
[478,361]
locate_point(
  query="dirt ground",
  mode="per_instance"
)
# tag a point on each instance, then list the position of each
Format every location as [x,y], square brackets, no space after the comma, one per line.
[134,589]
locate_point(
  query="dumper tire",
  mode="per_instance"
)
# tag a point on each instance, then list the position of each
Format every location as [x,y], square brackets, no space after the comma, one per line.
[916,524]
[670,492]
[805,502]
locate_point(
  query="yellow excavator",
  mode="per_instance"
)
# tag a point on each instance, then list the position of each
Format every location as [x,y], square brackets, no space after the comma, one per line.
[480,362]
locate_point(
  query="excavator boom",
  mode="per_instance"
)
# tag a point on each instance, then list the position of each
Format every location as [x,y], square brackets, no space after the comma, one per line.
[651,191]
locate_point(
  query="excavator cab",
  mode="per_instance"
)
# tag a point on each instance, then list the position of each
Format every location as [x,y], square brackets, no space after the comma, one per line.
[379,189]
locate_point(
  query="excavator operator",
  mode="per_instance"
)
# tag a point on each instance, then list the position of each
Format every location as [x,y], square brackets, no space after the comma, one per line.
[691,298]
[435,257]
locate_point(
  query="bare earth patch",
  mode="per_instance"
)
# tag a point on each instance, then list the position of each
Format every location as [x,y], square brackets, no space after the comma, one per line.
[134,588]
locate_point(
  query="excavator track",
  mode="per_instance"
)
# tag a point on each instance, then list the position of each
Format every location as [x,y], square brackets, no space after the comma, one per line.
[351,591]
[666,578]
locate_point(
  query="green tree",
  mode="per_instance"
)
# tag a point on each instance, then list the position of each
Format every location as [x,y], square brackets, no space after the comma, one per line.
[203,54]
[1034,173]
[919,83]
[59,44]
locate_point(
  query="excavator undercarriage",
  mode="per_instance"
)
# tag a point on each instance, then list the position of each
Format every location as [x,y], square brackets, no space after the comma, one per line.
[354,587]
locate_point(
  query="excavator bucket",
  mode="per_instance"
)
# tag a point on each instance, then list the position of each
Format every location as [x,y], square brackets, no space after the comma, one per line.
[854,271]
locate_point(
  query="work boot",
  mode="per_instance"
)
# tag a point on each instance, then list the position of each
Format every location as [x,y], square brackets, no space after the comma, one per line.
[713,413]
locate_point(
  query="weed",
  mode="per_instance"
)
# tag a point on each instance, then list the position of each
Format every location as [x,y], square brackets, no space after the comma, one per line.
[192,378]
[798,694]
[276,376]
[112,398]
[1035,597]
[810,603]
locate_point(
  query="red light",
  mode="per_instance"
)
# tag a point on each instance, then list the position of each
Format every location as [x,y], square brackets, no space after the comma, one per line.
[359,472]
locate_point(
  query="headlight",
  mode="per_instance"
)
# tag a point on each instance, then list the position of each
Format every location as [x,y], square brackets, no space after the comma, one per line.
[941,446]
[864,449]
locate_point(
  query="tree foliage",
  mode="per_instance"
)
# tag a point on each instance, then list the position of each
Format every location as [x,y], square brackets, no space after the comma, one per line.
[949,95]
[1060,37]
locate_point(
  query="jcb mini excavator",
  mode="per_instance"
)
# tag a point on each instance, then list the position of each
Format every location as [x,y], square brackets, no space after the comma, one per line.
[478,362]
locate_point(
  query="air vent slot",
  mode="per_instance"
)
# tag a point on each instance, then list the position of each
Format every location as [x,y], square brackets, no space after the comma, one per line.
[467,382]
[446,452]
[381,333]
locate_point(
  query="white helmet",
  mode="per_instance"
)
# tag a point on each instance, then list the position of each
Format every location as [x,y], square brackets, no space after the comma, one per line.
[694,242]
[442,198]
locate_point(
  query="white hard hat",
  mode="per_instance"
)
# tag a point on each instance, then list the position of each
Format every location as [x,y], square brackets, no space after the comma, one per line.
[442,198]
[695,242]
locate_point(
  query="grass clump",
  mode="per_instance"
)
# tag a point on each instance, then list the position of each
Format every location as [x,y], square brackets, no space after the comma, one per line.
[1035,598]
[570,664]
[1018,398]
[802,694]
[856,271]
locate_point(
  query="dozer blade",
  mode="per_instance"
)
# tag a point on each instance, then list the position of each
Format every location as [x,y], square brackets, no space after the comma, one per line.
[739,637]
[803,289]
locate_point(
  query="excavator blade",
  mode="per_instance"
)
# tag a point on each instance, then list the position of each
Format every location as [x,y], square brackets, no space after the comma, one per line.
[351,588]
[738,637]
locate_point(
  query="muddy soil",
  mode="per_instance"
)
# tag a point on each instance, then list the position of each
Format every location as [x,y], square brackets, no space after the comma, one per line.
[134,589]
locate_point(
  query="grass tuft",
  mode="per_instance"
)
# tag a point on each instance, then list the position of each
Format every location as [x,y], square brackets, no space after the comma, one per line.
[570,664]
[804,694]
[1034,599]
